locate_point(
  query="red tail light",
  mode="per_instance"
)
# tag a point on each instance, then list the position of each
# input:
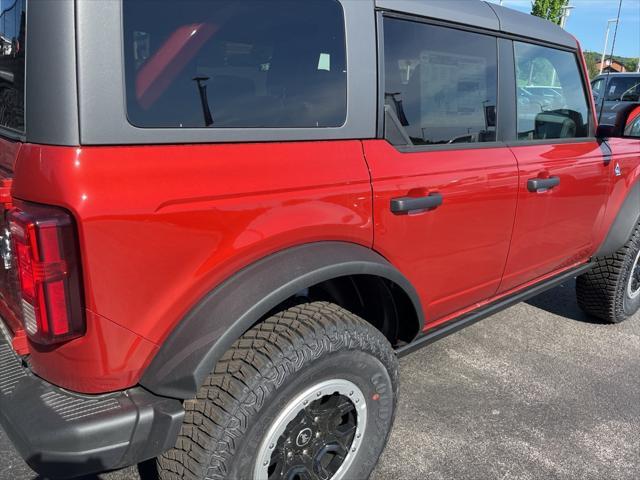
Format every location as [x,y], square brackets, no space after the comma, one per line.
[45,249]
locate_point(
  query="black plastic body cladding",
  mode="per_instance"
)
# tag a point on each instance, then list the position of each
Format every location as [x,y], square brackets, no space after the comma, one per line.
[627,218]
[189,354]
[62,434]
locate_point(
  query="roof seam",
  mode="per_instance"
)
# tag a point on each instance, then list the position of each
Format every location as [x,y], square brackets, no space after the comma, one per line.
[496,14]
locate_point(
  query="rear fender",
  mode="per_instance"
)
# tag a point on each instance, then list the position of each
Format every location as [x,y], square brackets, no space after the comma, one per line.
[622,228]
[191,351]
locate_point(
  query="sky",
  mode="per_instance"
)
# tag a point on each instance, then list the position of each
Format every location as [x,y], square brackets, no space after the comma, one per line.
[588,23]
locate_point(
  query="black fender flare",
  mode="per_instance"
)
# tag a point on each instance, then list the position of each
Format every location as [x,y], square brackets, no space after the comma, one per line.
[200,339]
[622,228]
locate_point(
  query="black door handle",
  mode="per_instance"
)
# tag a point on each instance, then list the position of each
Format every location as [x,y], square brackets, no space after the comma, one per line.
[542,184]
[415,204]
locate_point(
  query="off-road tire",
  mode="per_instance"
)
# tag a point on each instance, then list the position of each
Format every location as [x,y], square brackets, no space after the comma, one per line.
[268,365]
[602,292]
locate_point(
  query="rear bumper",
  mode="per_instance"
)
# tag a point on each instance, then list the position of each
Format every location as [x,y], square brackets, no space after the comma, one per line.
[62,434]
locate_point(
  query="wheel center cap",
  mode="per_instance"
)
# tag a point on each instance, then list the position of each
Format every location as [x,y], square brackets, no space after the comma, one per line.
[304,437]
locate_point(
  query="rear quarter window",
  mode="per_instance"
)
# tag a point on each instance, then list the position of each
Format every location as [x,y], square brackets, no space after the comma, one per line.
[12,64]
[230,64]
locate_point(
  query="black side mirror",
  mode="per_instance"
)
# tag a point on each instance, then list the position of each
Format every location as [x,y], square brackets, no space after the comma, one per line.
[617,130]
[607,131]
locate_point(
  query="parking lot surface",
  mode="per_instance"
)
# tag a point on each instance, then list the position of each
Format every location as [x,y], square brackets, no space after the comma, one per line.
[538,391]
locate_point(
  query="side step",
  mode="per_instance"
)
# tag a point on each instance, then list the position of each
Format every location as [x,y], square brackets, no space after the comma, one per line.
[459,323]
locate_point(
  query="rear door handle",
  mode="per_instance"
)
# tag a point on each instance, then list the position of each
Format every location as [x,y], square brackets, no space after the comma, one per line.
[542,184]
[415,204]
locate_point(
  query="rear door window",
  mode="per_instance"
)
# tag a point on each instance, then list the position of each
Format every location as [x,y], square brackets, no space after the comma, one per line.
[230,64]
[12,64]
[441,83]
[552,102]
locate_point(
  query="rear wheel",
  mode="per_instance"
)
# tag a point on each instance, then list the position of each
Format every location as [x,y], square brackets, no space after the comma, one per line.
[307,394]
[611,290]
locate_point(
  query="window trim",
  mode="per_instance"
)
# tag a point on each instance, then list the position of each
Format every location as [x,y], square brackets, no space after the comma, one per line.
[11,134]
[473,29]
[380,69]
[450,147]
[545,141]
[498,143]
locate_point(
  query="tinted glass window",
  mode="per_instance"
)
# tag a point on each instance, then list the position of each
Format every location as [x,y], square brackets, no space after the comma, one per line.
[12,55]
[596,86]
[552,102]
[626,88]
[225,63]
[440,82]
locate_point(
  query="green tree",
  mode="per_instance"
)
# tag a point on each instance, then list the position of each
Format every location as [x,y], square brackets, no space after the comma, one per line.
[592,59]
[549,9]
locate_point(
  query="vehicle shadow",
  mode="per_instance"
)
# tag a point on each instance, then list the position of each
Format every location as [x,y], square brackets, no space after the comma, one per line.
[143,471]
[561,301]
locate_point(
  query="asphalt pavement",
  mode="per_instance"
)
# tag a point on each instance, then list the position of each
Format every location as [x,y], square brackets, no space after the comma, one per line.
[539,391]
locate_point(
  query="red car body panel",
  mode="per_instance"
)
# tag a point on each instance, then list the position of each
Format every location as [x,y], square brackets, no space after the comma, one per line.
[455,254]
[107,358]
[557,227]
[161,226]
[633,115]
[625,154]
[152,249]
[175,241]
[138,245]
[499,296]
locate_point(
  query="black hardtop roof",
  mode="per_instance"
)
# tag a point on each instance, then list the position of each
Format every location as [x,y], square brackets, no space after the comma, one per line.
[485,15]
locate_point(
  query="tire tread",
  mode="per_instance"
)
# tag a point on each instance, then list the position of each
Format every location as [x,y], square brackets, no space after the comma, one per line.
[255,366]
[600,291]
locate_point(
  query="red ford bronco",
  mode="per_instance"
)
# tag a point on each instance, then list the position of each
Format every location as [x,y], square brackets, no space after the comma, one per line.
[222,221]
